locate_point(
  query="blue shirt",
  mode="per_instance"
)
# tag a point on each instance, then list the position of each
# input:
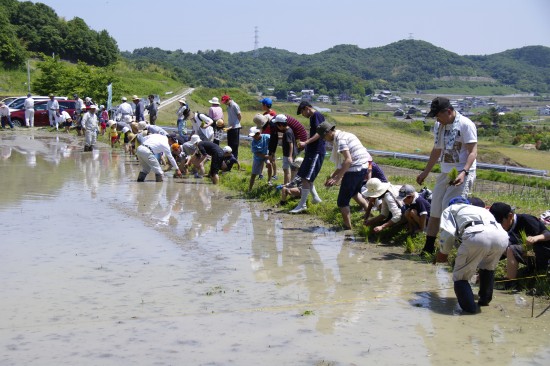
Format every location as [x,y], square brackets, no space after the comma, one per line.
[260,146]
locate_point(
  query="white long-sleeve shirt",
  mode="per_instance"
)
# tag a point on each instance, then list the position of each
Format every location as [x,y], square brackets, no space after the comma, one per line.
[159,144]
[89,121]
[29,103]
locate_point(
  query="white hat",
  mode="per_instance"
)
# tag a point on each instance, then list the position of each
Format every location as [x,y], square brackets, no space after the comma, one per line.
[227,149]
[214,100]
[280,118]
[87,99]
[135,97]
[125,129]
[124,99]
[195,139]
[93,106]
[101,106]
[110,123]
[182,101]
[253,131]
[375,188]
[142,125]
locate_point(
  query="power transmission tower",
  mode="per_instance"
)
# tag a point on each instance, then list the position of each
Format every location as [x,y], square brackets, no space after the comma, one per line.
[256,37]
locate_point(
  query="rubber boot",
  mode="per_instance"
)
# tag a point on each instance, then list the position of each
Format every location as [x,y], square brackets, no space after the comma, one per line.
[316,198]
[465,296]
[158,177]
[141,177]
[302,205]
[486,282]
[86,148]
[429,246]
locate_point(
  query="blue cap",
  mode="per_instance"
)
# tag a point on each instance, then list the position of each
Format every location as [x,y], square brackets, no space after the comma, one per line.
[458,200]
[267,102]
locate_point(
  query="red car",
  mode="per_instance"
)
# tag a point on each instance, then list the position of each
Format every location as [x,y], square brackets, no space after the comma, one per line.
[41,113]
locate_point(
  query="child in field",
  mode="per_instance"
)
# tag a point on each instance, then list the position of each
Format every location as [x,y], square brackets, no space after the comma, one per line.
[290,149]
[229,160]
[259,147]
[416,209]
[115,138]
[103,119]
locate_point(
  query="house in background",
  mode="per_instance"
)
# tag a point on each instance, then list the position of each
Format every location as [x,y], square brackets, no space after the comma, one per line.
[323,99]
[307,94]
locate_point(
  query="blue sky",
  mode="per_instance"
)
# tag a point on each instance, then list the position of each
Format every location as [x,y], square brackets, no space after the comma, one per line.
[466,27]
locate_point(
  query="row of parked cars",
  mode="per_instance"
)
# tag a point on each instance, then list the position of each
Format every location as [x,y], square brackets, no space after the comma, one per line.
[41,118]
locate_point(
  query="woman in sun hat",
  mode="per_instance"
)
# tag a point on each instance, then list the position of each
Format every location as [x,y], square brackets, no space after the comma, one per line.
[215,111]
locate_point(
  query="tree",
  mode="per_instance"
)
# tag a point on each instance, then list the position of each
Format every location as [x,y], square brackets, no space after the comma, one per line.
[12,54]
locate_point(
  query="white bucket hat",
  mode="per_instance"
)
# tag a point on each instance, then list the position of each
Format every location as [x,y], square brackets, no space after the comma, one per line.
[214,100]
[195,139]
[375,188]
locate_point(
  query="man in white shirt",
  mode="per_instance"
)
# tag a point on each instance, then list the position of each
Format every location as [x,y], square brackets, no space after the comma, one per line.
[480,242]
[29,111]
[152,145]
[455,146]
[90,126]
[5,115]
[64,119]
[124,112]
[53,109]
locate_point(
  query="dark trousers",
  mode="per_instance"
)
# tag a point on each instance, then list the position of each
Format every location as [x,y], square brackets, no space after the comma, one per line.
[233,136]
[6,119]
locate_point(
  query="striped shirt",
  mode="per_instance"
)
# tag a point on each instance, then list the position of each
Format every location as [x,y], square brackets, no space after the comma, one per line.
[360,157]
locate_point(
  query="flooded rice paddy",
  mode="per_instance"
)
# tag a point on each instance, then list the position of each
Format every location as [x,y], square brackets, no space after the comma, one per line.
[97,269]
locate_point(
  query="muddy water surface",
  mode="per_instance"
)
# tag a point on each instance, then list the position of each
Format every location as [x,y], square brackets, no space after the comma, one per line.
[97,269]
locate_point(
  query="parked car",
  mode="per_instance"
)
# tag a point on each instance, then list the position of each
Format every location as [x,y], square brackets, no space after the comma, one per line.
[18,102]
[41,113]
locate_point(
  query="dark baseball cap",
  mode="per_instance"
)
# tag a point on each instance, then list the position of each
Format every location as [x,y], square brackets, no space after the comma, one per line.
[438,104]
[324,127]
[302,105]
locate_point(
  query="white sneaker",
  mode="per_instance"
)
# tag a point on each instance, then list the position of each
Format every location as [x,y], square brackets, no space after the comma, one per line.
[316,200]
[298,209]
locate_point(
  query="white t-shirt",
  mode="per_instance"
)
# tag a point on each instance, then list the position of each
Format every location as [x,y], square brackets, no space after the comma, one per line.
[63,117]
[456,156]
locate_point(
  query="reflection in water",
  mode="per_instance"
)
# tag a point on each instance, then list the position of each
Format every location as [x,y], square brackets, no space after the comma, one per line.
[213,277]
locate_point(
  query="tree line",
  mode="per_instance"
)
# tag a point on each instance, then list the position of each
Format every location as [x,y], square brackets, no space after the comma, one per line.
[403,65]
[29,29]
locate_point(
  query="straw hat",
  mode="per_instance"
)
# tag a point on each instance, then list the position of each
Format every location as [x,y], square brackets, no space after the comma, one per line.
[220,123]
[375,188]
[135,127]
[260,120]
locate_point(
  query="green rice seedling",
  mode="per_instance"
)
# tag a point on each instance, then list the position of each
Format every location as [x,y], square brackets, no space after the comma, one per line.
[453,174]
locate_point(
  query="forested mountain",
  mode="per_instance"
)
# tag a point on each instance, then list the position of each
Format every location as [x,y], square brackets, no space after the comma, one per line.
[28,28]
[407,64]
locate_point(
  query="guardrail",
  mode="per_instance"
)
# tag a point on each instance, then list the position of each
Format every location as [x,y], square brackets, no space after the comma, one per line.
[502,168]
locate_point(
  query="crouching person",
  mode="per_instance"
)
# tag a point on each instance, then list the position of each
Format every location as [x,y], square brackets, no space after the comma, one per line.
[390,205]
[416,209]
[480,240]
[152,145]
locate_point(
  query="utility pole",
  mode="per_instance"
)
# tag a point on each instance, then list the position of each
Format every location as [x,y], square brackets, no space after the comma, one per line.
[256,37]
[29,75]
